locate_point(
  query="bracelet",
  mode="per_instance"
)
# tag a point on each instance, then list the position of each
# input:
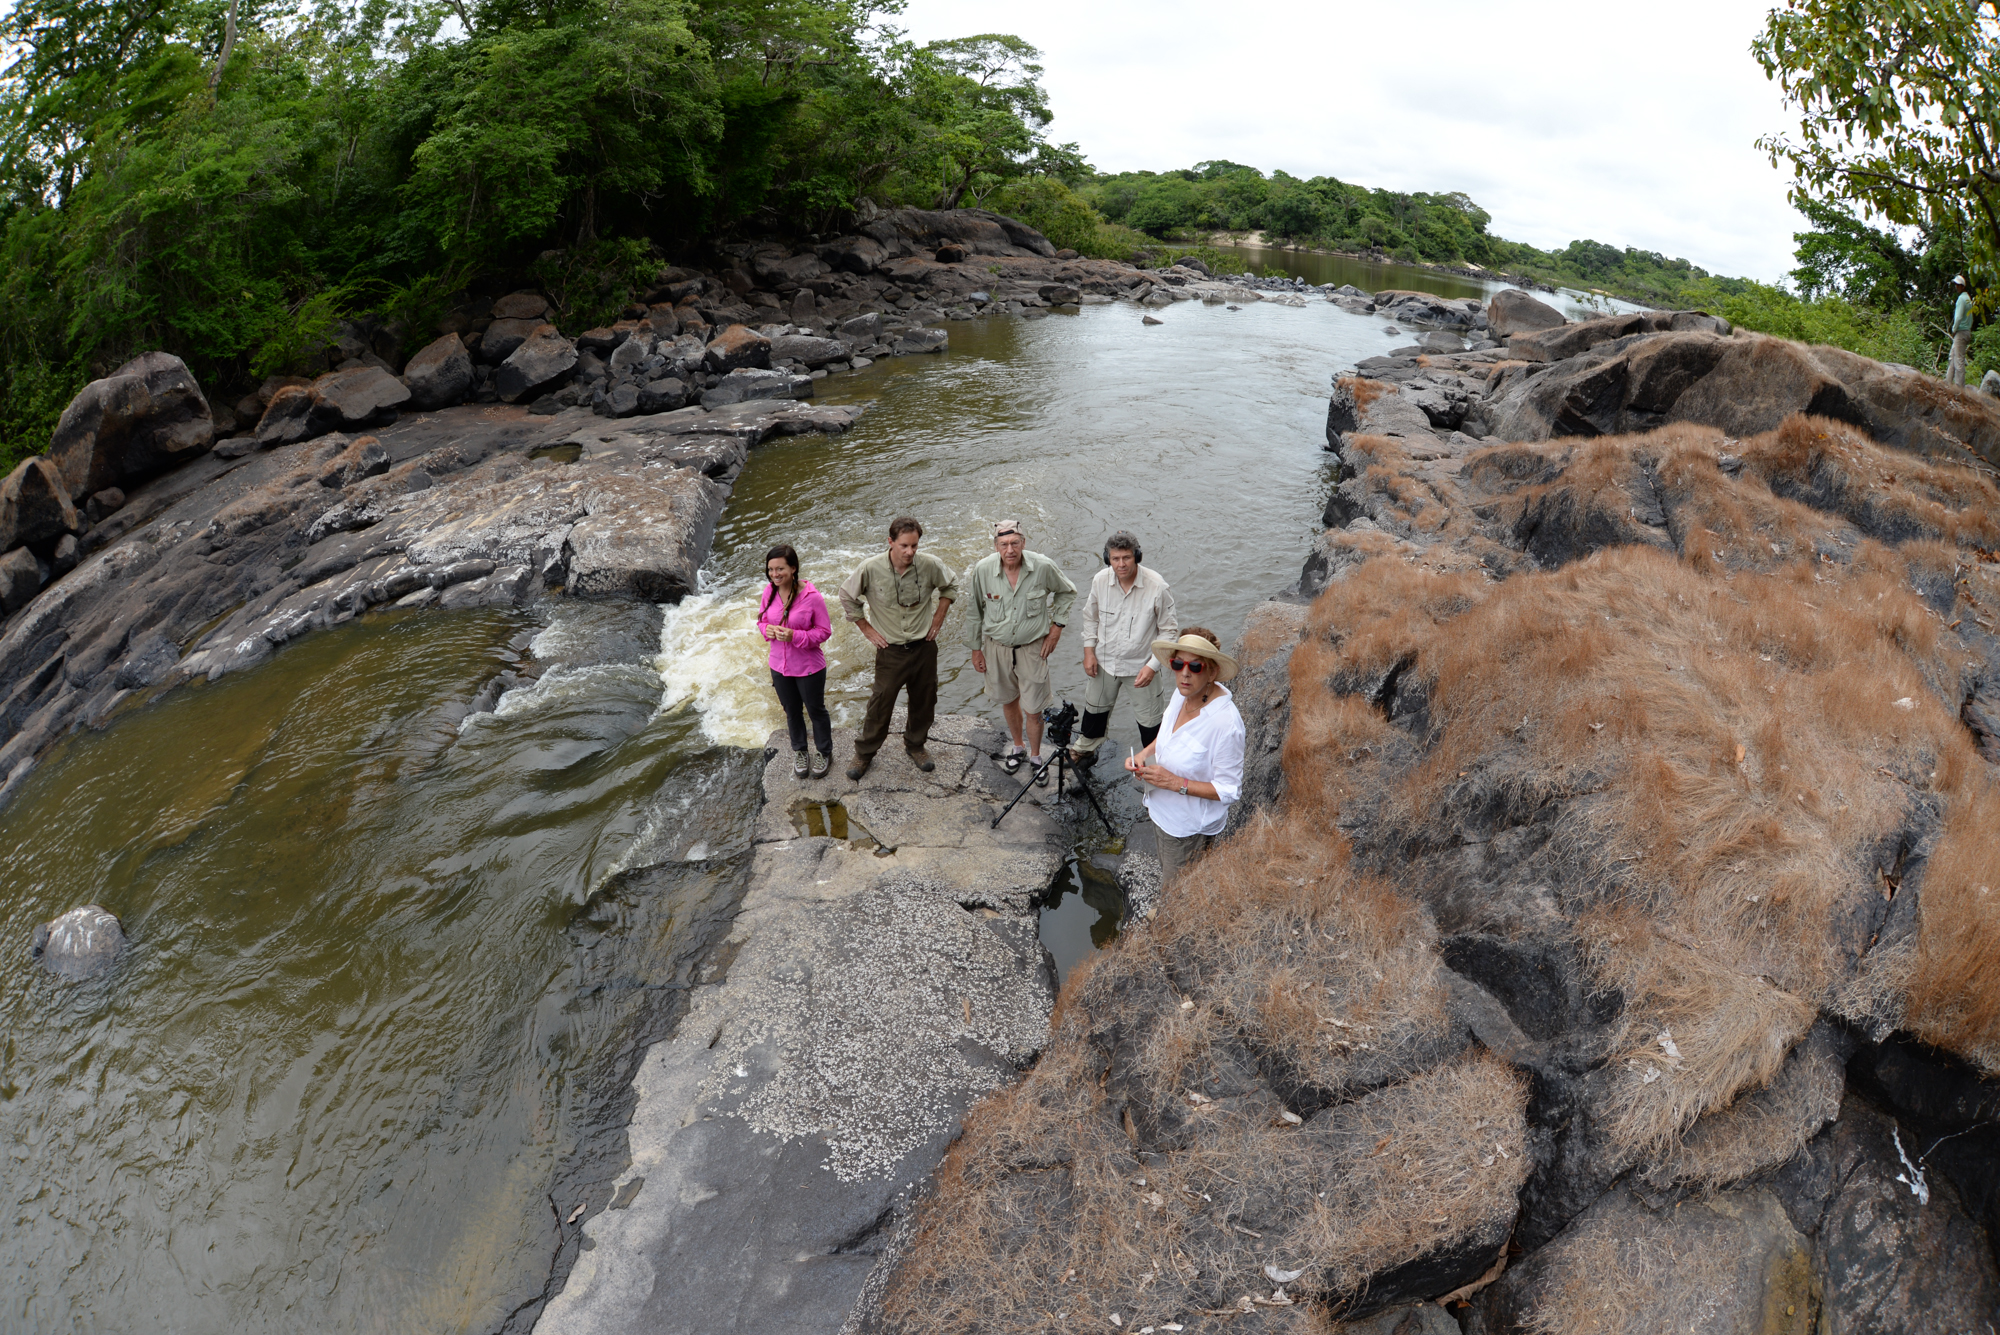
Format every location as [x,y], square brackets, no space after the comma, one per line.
[1184,791]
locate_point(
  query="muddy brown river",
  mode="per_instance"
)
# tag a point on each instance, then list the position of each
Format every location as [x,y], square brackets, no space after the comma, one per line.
[389,961]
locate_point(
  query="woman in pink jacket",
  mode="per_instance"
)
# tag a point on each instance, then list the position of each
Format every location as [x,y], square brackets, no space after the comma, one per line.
[793,617]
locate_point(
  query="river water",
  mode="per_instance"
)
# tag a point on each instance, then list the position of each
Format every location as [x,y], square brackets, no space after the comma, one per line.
[1371,276]
[390,962]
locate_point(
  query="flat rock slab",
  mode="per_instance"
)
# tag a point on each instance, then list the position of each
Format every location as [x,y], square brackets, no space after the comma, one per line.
[871,999]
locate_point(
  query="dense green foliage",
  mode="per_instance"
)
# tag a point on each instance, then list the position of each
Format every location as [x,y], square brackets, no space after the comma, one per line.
[157,191]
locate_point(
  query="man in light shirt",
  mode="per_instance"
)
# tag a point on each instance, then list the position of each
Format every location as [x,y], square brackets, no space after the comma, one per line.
[1128,607]
[1961,330]
[1019,602]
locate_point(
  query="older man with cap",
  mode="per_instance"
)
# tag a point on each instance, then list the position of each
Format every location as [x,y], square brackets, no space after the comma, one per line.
[1128,607]
[1195,766]
[898,600]
[1020,601]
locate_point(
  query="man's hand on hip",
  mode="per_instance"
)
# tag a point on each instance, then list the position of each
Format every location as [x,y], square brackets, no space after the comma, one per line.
[874,636]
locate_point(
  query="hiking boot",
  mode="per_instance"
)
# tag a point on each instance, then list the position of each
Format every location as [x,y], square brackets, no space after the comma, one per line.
[860,766]
[922,759]
[821,764]
[799,766]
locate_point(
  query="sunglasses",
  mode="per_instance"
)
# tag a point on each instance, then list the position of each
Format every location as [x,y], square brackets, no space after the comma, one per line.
[1194,665]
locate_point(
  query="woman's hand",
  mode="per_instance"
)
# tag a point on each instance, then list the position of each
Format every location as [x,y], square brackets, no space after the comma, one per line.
[764,629]
[1157,775]
[781,633]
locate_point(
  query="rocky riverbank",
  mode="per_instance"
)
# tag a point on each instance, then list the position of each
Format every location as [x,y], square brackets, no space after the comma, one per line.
[1615,939]
[165,536]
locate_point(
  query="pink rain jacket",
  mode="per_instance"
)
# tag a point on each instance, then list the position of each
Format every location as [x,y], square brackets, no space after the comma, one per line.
[801,655]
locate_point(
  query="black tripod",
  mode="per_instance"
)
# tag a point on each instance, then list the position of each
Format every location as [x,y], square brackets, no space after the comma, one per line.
[1060,759]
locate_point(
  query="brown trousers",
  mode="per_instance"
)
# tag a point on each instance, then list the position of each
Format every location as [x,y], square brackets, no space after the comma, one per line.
[899,666]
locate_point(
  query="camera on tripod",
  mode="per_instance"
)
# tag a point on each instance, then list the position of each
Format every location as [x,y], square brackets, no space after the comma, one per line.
[1059,723]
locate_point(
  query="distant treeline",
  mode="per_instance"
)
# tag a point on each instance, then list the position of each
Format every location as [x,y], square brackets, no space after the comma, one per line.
[226,178]
[1885,294]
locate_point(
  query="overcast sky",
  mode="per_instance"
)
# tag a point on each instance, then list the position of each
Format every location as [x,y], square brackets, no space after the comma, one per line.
[1629,124]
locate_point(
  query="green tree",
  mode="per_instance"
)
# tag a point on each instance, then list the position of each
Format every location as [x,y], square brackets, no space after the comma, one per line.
[1899,104]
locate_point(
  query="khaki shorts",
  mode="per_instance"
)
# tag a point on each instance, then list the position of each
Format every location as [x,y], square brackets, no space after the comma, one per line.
[1018,674]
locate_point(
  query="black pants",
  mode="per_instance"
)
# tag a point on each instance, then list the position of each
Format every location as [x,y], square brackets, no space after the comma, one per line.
[801,696]
[912,665]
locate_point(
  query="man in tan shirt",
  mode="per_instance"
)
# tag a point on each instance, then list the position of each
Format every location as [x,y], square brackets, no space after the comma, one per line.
[898,600]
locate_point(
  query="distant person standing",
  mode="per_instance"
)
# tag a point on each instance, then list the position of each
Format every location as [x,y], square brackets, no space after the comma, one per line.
[898,600]
[1195,765]
[792,615]
[1128,607]
[1020,602]
[1961,330]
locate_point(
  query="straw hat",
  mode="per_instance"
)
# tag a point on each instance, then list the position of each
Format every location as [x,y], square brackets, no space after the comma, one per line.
[1225,666]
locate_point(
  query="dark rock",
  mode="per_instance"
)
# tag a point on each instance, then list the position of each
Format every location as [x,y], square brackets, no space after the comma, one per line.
[82,943]
[1891,1240]
[521,306]
[21,579]
[951,254]
[363,459]
[35,508]
[347,400]
[1699,322]
[742,385]
[440,374]
[922,340]
[108,501]
[1428,311]
[541,363]
[807,350]
[735,348]
[1725,1263]
[288,419]
[1513,311]
[67,553]
[148,660]
[1151,319]
[1565,341]
[663,395]
[1759,382]
[617,401]
[502,337]
[142,419]
[804,306]
[1059,294]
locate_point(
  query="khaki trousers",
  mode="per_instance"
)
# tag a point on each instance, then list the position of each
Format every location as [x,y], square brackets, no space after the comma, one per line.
[1176,851]
[1961,342]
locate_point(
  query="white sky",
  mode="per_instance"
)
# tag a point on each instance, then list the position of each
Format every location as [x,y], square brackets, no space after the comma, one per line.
[1629,124]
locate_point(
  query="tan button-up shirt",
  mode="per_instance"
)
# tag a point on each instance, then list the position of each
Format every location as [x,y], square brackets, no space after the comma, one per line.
[1122,626]
[900,606]
[1017,613]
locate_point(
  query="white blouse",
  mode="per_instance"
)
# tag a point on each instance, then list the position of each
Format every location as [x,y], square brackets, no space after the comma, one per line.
[1208,750]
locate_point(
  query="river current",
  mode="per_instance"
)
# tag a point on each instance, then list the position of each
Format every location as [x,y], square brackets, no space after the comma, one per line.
[388,959]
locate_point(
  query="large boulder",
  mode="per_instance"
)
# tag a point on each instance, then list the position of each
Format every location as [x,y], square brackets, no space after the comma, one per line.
[735,348]
[80,944]
[1632,386]
[808,350]
[1427,310]
[440,374]
[1758,383]
[35,508]
[521,306]
[1727,1264]
[21,578]
[364,396]
[502,337]
[136,423]
[541,363]
[1513,311]
[747,383]
[1561,342]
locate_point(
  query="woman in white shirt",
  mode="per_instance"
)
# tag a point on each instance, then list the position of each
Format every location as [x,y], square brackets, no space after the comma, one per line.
[1195,765]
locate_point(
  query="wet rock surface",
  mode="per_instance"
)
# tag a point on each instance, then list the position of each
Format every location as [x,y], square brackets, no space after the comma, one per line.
[880,978]
[82,943]
[216,565]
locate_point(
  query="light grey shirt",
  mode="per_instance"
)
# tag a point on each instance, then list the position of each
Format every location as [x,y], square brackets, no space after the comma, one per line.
[1122,626]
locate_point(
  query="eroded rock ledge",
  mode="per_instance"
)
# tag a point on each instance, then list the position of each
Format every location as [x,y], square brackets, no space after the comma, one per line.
[215,566]
[879,980]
